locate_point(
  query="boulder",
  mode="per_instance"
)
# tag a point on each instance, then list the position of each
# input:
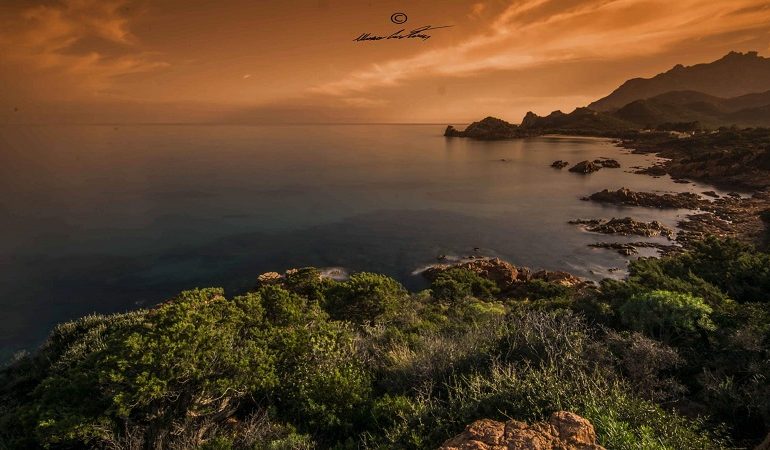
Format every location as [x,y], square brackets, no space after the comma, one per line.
[268,278]
[563,431]
[585,167]
[560,164]
[608,163]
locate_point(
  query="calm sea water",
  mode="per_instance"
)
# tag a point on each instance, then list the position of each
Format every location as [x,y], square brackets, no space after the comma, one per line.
[105,218]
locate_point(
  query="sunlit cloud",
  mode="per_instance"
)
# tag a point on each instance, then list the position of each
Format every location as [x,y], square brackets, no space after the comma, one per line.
[477,9]
[532,33]
[56,37]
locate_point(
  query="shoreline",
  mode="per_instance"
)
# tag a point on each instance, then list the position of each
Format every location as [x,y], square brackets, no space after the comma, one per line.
[685,159]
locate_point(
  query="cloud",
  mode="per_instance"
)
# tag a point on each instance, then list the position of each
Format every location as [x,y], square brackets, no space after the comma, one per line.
[477,9]
[89,41]
[532,33]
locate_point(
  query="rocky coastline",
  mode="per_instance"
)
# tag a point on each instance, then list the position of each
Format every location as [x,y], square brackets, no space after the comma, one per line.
[731,159]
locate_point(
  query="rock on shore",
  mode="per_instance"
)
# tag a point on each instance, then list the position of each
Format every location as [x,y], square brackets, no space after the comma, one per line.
[625,226]
[506,275]
[563,431]
[627,197]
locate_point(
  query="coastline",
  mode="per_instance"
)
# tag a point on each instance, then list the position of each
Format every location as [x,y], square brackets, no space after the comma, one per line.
[743,217]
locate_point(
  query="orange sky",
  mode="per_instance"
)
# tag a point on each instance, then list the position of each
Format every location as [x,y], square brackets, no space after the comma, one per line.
[296,61]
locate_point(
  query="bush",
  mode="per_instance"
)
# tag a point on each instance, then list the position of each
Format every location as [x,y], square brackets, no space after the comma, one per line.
[365,297]
[456,284]
[666,315]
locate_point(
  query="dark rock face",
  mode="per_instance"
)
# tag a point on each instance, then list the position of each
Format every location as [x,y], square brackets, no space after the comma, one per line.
[623,196]
[560,164]
[563,431]
[607,163]
[626,227]
[490,128]
[585,167]
[452,132]
[733,75]
[655,171]
[631,248]
[506,275]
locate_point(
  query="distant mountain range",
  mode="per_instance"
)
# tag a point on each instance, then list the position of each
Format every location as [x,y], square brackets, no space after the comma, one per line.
[733,75]
[734,90]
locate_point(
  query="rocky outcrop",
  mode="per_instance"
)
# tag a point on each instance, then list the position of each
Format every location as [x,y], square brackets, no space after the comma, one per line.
[490,128]
[563,431]
[627,197]
[657,170]
[607,163]
[585,167]
[560,164]
[506,275]
[632,248]
[625,226]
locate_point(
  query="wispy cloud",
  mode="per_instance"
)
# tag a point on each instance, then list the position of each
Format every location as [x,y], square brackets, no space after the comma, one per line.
[63,37]
[531,33]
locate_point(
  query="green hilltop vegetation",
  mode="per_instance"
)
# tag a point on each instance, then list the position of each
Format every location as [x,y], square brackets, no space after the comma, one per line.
[675,357]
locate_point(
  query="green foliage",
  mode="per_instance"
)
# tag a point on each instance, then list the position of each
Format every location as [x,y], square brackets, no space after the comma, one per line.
[666,315]
[365,297]
[309,362]
[735,269]
[455,284]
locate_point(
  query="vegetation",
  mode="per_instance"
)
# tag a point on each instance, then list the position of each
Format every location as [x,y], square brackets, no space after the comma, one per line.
[677,356]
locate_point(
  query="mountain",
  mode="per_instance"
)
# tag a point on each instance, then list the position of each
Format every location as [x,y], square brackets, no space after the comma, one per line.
[579,121]
[736,74]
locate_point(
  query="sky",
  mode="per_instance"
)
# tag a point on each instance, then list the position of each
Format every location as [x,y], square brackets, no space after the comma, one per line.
[259,61]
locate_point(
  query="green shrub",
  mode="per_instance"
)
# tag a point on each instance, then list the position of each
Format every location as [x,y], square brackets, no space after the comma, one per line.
[666,315]
[456,284]
[365,297]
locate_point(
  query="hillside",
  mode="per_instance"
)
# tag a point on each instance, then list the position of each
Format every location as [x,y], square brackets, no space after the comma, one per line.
[733,75]
[305,362]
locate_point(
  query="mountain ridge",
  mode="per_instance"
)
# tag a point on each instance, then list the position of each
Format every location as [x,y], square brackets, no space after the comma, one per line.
[735,74]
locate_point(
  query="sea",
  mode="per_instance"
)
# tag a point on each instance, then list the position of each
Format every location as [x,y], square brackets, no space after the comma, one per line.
[110,218]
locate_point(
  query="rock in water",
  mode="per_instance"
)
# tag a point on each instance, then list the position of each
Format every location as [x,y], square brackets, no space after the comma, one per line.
[626,226]
[585,167]
[624,196]
[563,431]
[608,163]
[560,164]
